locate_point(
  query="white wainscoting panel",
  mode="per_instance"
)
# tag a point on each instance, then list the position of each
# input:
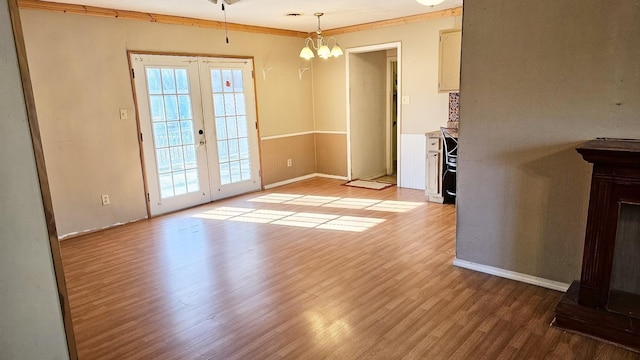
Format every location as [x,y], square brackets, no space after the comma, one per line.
[413,156]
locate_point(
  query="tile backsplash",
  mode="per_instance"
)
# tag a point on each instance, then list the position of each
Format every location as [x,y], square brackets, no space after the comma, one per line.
[454,106]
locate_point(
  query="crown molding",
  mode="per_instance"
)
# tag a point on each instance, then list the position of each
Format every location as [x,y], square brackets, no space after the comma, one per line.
[394,22]
[211,24]
[150,17]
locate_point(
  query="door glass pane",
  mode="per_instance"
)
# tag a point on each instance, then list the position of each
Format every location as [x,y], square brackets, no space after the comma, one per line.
[168,81]
[174,133]
[237,81]
[163,160]
[240,107]
[173,130]
[231,130]
[242,127]
[218,104]
[216,81]
[192,180]
[223,152]
[179,183]
[154,85]
[243,148]
[235,171]
[227,81]
[171,107]
[182,81]
[157,108]
[234,153]
[221,128]
[184,106]
[160,134]
[186,128]
[245,170]
[190,157]
[229,105]
[177,160]
[166,185]
[225,176]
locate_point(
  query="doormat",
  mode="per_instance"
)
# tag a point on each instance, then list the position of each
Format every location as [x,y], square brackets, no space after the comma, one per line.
[368,184]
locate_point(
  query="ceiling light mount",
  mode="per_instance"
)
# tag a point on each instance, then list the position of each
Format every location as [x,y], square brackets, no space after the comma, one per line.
[320,45]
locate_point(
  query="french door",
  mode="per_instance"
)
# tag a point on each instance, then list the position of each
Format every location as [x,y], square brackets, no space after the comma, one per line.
[198,129]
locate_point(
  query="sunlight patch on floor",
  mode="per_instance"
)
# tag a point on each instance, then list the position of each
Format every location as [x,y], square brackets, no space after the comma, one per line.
[394,206]
[312,200]
[295,219]
[276,198]
[223,213]
[337,202]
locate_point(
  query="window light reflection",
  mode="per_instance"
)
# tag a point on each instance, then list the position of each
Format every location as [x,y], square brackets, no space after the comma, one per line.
[288,218]
[327,330]
[337,202]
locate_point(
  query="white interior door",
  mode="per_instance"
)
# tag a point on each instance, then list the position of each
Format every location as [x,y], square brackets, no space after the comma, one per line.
[231,123]
[198,129]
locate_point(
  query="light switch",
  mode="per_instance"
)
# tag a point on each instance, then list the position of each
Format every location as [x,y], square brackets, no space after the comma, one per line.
[123,114]
[406,100]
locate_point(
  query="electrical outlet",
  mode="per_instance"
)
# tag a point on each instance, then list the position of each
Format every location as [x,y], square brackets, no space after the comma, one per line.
[289,163]
[406,100]
[105,200]
[123,114]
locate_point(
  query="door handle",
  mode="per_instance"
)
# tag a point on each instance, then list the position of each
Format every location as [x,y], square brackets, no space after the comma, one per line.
[202,139]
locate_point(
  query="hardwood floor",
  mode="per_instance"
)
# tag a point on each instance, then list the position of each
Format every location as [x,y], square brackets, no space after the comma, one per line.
[193,286]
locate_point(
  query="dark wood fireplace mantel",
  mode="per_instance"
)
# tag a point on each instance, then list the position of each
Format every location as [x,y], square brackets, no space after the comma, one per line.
[592,306]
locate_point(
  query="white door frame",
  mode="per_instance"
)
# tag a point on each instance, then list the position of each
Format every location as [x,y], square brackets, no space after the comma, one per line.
[389,117]
[366,49]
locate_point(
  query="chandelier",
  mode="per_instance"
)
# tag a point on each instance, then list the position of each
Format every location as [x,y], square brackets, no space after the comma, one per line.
[320,45]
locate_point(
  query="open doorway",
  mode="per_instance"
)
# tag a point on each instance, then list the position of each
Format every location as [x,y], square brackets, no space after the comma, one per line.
[373,115]
[392,118]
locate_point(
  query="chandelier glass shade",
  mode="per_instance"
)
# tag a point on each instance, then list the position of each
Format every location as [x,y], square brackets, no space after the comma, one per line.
[430,2]
[320,45]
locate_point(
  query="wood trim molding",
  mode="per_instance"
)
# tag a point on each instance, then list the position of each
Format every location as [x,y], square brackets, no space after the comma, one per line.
[43,180]
[211,24]
[394,22]
[157,18]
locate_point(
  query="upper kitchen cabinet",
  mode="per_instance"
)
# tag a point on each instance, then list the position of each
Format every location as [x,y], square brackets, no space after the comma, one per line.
[449,63]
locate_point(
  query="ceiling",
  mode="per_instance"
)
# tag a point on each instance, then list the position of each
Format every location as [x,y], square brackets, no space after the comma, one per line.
[338,13]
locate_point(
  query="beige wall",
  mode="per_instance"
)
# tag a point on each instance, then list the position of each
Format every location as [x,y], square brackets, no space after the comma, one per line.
[428,109]
[31,324]
[538,79]
[301,149]
[330,154]
[80,76]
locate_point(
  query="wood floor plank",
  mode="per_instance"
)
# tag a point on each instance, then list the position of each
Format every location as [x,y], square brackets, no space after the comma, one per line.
[192,286]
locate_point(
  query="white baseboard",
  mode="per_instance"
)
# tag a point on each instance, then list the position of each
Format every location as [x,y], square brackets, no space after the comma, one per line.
[289,181]
[305,177]
[512,275]
[85,232]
